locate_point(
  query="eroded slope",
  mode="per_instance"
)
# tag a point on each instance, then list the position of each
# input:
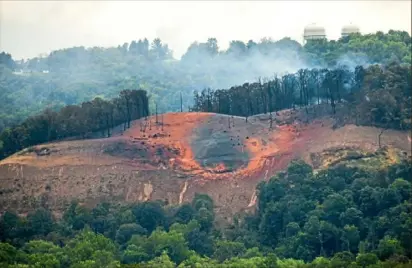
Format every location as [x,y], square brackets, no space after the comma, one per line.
[191,152]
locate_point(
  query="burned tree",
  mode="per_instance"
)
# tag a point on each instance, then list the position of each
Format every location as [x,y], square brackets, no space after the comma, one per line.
[119,103]
[181,102]
[125,95]
[162,122]
[108,110]
[157,121]
[271,120]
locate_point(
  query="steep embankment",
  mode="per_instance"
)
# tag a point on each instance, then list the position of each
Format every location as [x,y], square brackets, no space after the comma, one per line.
[192,152]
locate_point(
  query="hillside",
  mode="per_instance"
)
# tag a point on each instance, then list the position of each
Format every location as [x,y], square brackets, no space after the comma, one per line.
[192,152]
[73,75]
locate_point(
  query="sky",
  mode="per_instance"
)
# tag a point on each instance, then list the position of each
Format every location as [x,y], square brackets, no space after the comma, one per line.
[29,29]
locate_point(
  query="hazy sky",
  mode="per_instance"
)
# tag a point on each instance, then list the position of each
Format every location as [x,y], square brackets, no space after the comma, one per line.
[33,27]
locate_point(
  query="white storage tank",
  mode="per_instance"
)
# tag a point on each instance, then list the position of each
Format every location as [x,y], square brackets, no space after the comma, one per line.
[313,32]
[349,29]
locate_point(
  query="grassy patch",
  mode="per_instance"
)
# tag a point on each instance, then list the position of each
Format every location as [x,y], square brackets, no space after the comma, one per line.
[355,157]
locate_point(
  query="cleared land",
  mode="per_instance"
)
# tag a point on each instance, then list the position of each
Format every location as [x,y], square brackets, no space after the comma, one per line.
[220,155]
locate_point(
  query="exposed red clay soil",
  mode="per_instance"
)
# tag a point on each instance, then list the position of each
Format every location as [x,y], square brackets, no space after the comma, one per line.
[220,155]
[177,136]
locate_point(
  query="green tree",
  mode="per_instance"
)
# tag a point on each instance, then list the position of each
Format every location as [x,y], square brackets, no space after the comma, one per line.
[334,205]
[403,188]
[149,215]
[198,261]
[184,214]
[350,238]
[200,241]
[134,254]
[125,232]
[366,259]
[388,247]
[8,254]
[163,261]
[77,216]
[40,221]
[342,259]
[172,242]
[86,244]
[228,249]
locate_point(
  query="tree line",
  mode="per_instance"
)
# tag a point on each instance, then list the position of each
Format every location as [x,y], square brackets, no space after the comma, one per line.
[378,95]
[80,121]
[344,208]
[78,74]
[349,215]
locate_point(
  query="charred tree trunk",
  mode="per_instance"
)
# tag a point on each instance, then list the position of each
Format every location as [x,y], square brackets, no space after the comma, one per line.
[271,120]
[332,101]
[181,102]
[111,120]
[49,127]
[157,121]
[338,83]
[108,125]
[380,135]
[128,111]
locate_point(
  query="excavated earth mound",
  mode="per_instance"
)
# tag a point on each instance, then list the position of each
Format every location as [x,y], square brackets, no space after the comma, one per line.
[220,155]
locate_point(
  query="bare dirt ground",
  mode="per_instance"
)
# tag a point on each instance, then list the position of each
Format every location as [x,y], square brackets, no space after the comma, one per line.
[220,155]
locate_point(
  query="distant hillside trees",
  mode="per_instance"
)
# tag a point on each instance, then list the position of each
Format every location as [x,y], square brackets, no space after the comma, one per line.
[78,74]
[377,95]
[76,120]
[7,61]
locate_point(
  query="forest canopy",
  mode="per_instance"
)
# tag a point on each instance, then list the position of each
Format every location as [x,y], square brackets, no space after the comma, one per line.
[379,95]
[78,74]
[355,214]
